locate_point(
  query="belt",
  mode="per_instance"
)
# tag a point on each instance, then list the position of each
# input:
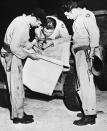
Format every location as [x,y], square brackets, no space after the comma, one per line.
[81,48]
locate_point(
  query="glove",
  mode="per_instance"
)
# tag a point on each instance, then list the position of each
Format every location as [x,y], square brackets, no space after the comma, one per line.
[91,53]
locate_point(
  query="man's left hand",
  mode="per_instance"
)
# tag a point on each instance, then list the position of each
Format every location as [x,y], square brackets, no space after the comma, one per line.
[91,53]
[37,50]
[48,44]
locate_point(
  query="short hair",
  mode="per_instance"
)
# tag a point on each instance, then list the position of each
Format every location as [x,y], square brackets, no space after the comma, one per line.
[51,23]
[41,14]
[70,4]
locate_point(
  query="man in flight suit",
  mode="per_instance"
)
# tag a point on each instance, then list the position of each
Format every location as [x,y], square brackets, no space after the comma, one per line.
[85,40]
[55,33]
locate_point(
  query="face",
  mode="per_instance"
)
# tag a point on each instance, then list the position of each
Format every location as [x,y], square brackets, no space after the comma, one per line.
[36,22]
[48,32]
[72,14]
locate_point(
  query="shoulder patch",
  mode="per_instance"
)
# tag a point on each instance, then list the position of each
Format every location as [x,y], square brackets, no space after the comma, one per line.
[87,15]
[62,25]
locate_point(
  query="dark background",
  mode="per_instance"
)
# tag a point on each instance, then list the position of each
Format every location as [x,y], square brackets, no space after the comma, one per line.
[9,9]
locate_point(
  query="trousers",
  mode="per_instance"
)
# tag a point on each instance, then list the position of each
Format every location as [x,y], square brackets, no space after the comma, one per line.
[15,85]
[86,84]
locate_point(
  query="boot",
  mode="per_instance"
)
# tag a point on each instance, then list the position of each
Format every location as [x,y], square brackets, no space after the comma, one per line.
[24,120]
[30,116]
[85,120]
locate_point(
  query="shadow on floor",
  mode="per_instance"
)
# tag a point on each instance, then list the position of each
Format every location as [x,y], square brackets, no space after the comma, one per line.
[4,98]
[39,96]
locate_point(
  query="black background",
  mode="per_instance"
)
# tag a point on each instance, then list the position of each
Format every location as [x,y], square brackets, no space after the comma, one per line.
[9,9]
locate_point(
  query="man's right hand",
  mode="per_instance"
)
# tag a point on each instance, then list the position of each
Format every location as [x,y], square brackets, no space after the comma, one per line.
[34,57]
[37,50]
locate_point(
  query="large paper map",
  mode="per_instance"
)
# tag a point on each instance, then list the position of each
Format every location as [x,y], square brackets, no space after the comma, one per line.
[42,75]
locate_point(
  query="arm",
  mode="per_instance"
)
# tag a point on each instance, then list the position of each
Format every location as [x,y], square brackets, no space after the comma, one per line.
[93,32]
[20,42]
[62,35]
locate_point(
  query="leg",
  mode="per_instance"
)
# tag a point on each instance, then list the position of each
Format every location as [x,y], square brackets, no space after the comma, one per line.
[87,88]
[16,89]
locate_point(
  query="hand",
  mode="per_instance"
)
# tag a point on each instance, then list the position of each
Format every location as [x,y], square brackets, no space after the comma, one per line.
[34,42]
[91,53]
[37,50]
[34,57]
[40,44]
[48,44]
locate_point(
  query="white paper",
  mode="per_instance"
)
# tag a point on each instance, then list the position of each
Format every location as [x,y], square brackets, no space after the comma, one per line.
[41,76]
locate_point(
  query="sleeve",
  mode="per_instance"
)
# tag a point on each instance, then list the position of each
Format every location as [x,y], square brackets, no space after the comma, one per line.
[63,30]
[93,30]
[63,34]
[19,39]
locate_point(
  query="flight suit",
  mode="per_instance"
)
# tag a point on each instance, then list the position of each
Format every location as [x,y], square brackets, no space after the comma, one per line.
[85,38]
[59,36]
[16,39]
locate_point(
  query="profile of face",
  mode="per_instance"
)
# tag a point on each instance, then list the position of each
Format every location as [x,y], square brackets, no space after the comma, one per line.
[72,14]
[48,32]
[50,27]
[36,21]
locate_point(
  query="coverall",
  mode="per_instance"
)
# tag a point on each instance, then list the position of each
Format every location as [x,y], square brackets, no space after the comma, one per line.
[17,39]
[59,36]
[86,34]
